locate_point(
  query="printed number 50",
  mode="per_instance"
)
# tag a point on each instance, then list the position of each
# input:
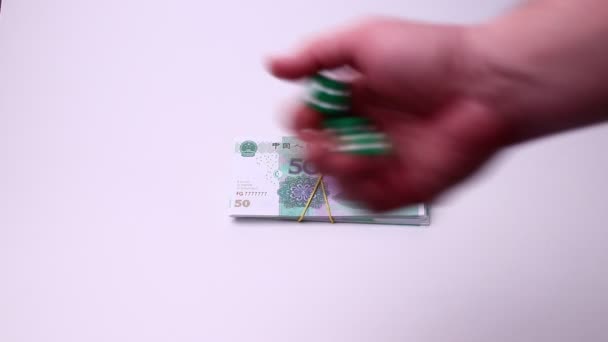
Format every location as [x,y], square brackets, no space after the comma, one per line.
[296,166]
[242,203]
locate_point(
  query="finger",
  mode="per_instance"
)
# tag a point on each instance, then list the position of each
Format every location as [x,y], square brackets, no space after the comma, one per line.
[364,98]
[384,114]
[375,194]
[369,190]
[343,165]
[334,50]
[406,189]
[304,118]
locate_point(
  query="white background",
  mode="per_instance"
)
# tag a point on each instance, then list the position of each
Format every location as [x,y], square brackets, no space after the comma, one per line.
[116,122]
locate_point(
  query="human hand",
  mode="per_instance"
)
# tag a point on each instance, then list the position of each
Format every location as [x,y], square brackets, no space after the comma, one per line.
[420,84]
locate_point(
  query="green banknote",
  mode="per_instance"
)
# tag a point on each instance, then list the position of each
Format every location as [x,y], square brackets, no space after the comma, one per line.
[271,179]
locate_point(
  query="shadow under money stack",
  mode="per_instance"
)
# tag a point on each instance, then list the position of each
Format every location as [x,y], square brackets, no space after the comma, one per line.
[330,94]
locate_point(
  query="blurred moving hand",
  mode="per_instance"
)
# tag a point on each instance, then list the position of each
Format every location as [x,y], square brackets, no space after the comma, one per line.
[450,97]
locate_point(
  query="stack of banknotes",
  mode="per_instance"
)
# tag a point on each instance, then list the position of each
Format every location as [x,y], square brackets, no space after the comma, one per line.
[271,179]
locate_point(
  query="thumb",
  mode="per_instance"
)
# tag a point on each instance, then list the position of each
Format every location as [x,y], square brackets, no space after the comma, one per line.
[328,52]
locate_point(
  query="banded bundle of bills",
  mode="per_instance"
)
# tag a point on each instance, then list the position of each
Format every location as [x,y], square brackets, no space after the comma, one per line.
[272,180]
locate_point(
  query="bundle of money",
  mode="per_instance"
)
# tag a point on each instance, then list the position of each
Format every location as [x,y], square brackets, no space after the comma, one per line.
[273,180]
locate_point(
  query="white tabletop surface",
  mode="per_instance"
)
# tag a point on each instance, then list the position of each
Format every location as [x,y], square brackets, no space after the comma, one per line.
[116,122]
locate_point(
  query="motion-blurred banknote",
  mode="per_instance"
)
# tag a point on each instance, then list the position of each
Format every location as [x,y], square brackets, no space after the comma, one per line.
[271,179]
